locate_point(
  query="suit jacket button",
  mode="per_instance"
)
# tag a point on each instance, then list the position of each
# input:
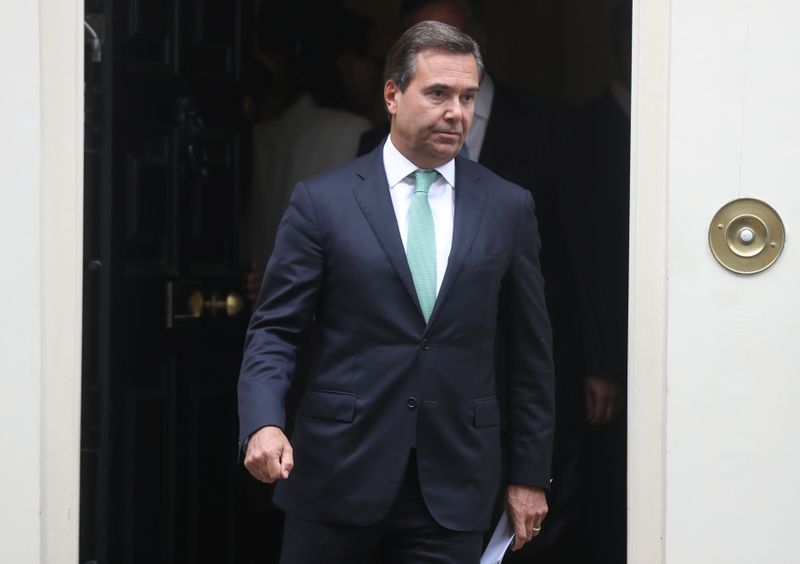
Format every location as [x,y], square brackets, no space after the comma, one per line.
[426,344]
[412,402]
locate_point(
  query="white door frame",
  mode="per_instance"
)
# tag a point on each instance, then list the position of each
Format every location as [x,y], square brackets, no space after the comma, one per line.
[62,96]
[41,242]
[648,282]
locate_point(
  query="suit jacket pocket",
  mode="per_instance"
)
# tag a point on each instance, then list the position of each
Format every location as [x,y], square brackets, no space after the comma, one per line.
[487,412]
[332,405]
[488,260]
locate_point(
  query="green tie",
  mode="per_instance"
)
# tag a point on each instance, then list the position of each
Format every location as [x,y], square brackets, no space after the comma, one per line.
[421,244]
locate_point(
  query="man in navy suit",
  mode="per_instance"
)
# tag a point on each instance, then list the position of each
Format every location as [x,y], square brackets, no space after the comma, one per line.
[396,446]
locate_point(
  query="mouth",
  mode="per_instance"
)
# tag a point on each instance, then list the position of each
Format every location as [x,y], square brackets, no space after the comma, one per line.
[453,135]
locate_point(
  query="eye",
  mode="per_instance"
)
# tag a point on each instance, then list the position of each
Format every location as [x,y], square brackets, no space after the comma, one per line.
[468,98]
[438,93]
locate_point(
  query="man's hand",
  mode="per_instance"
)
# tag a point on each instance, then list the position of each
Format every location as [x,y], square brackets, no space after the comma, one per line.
[602,400]
[527,507]
[269,455]
[252,282]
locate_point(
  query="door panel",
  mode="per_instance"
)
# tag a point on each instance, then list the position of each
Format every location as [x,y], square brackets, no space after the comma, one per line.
[150,27]
[150,234]
[160,476]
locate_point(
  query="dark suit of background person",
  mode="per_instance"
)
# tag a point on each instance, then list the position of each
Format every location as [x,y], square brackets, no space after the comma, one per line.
[602,215]
[605,219]
[393,404]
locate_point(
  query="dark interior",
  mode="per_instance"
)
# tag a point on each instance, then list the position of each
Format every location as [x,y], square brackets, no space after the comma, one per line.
[172,105]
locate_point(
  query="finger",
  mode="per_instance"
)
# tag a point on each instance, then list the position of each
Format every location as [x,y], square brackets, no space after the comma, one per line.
[256,466]
[273,466]
[529,526]
[611,408]
[601,409]
[538,518]
[520,534]
[287,462]
[253,463]
[590,405]
[519,542]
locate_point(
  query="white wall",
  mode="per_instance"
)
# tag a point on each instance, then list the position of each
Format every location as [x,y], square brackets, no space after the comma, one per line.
[20,252]
[731,457]
[715,361]
[40,249]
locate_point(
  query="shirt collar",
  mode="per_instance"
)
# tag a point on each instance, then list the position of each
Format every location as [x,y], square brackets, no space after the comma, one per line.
[398,166]
[483,103]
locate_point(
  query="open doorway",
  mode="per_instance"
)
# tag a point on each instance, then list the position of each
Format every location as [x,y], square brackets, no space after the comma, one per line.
[173,106]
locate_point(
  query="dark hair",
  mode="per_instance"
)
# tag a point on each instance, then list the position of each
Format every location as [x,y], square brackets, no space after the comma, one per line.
[401,62]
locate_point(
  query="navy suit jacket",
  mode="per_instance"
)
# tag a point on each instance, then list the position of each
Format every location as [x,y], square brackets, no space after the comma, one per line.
[381,378]
[530,140]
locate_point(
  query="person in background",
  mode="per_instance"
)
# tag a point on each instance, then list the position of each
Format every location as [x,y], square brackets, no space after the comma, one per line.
[332,78]
[602,206]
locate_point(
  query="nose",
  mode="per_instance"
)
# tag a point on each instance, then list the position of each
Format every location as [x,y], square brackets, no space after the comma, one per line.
[454,112]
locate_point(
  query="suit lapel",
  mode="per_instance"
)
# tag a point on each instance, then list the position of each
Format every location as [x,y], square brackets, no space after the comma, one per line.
[375,201]
[470,199]
[372,195]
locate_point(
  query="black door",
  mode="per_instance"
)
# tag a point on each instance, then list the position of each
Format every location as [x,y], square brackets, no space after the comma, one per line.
[167,146]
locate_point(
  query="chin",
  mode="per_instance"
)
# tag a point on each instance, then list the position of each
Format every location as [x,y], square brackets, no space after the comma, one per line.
[435,155]
[447,151]
[453,153]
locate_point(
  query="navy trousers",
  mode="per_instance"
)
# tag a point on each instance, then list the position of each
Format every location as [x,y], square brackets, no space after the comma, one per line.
[408,535]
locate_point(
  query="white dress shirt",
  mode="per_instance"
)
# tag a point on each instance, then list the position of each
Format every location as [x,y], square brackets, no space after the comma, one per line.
[440,197]
[306,140]
[480,119]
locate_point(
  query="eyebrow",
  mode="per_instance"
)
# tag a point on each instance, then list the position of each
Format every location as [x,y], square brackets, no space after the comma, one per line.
[440,86]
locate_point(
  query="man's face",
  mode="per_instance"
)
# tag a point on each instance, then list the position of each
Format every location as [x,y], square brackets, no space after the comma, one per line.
[430,120]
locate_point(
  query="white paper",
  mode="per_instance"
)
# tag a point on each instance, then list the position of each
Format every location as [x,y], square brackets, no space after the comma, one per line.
[502,537]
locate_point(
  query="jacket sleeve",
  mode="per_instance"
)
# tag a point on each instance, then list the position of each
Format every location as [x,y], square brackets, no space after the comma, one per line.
[283,316]
[531,385]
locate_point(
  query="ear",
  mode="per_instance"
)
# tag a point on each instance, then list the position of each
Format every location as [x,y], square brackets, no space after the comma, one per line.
[390,93]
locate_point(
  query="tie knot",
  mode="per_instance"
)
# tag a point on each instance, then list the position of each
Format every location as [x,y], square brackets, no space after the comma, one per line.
[423,180]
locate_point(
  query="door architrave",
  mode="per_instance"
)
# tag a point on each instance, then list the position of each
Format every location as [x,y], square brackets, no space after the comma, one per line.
[647,316]
[61,81]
